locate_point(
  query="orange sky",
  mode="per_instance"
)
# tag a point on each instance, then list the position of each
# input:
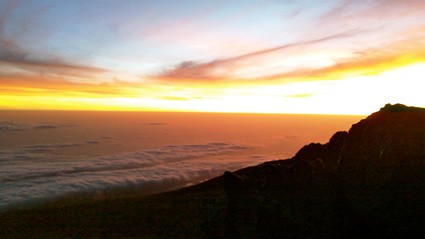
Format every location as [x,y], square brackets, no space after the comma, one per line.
[338,57]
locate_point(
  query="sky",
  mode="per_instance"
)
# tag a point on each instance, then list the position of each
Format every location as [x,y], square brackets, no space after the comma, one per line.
[287,56]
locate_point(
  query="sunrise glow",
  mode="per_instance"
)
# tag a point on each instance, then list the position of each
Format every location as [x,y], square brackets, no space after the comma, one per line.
[288,57]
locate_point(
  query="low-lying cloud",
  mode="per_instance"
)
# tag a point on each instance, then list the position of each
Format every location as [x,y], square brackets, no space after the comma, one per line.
[42,126]
[27,174]
[11,125]
[7,126]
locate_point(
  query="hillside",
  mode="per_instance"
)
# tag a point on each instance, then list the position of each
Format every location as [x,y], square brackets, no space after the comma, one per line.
[364,183]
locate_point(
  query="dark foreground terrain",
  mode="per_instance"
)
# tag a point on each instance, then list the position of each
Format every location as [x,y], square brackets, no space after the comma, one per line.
[364,183]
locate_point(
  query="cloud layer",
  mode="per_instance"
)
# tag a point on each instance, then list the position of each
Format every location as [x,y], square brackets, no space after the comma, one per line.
[28,175]
[343,27]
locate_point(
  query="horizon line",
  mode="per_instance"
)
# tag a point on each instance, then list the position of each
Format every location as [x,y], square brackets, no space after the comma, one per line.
[186,112]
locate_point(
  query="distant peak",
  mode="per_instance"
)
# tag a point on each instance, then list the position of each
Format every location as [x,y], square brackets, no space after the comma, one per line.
[400,108]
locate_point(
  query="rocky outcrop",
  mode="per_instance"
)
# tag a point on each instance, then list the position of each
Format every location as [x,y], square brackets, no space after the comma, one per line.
[364,183]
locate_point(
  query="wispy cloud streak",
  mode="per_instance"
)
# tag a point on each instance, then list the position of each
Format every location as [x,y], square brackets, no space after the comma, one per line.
[15,56]
[190,70]
[365,40]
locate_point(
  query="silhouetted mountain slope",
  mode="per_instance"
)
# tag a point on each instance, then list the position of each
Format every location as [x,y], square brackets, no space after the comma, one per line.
[364,183]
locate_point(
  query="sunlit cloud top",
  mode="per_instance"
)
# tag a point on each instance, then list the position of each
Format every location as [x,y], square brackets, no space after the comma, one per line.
[227,56]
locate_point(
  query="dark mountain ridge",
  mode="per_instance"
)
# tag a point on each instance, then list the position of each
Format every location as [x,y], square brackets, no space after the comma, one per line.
[364,183]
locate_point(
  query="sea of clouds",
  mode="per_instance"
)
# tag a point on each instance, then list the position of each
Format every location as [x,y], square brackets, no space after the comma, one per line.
[30,174]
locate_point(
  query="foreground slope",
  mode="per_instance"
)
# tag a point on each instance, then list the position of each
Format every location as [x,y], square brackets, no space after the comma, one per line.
[364,183]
